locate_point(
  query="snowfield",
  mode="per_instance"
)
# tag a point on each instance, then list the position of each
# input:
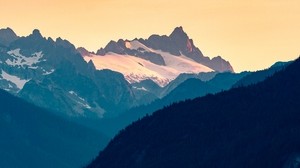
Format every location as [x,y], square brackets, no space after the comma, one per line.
[137,69]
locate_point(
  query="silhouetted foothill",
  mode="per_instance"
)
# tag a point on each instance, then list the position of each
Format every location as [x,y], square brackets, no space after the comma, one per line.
[255,126]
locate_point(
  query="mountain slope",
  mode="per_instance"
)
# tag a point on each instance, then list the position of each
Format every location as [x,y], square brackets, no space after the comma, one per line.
[137,69]
[147,91]
[33,137]
[255,126]
[261,75]
[192,88]
[188,89]
[183,77]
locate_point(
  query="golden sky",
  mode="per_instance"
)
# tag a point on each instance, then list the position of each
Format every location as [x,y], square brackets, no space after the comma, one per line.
[251,34]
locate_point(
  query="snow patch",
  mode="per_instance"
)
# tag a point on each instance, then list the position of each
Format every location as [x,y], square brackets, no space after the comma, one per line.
[20,60]
[81,100]
[14,79]
[127,44]
[142,88]
[48,72]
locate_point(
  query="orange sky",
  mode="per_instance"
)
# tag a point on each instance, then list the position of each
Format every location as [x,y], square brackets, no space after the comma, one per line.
[251,34]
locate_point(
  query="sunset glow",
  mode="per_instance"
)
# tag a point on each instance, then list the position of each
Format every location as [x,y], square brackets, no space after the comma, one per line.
[250,34]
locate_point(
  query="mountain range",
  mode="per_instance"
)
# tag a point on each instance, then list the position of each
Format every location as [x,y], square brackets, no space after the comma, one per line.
[97,94]
[39,70]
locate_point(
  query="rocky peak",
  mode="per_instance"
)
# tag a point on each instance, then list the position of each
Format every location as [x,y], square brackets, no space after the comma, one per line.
[50,40]
[116,47]
[35,42]
[181,39]
[64,43]
[101,52]
[178,33]
[36,34]
[8,31]
[83,51]
[7,36]
[221,65]
[91,66]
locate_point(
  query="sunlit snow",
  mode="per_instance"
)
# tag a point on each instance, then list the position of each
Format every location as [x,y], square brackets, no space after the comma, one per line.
[137,69]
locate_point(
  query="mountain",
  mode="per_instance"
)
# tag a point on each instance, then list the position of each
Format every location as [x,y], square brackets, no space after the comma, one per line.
[148,85]
[147,91]
[159,58]
[53,74]
[34,137]
[193,87]
[254,126]
[261,75]
[178,43]
[183,77]
[7,36]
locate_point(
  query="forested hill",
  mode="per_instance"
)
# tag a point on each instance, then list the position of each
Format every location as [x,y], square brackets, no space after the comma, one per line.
[250,127]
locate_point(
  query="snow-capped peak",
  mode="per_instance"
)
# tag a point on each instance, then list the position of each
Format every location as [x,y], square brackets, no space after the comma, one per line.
[137,69]
[160,58]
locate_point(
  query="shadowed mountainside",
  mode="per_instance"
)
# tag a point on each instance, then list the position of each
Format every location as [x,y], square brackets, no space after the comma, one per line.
[33,137]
